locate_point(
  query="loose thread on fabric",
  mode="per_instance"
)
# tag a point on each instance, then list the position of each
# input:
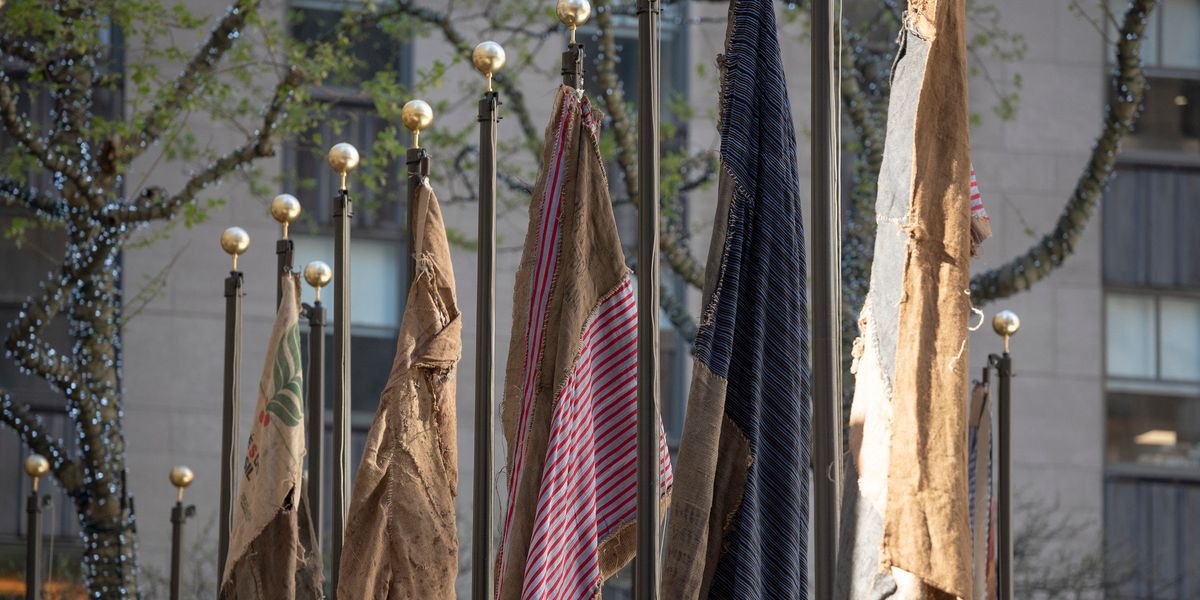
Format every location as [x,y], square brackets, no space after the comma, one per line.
[963,347]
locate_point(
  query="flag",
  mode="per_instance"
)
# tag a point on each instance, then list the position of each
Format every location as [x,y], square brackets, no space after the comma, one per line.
[738,526]
[905,524]
[268,552]
[979,485]
[570,394]
[981,223]
[401,539]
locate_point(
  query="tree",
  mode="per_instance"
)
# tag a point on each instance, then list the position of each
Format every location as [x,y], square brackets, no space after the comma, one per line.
[248,74]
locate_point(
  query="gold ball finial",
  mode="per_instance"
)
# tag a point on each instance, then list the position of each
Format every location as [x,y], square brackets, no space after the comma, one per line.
[488,58]
[416,115]
[343,158]
[285,208]
[235,241]
[317,274]
[36,465]
[573,13]
[1005,324]
[182,476]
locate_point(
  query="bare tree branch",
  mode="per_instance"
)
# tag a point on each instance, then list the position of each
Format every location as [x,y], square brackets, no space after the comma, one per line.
[15,193]
[1129,85]
[33,432]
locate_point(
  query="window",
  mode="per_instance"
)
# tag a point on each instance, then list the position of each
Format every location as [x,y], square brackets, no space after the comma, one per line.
[1152,366]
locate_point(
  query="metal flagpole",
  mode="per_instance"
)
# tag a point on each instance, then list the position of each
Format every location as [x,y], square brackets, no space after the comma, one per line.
[1005,324]
[284,208]
[488,58]
[827,306]
[317,274]
[36,466]
[234,241]
[181,477]
[646,571]
[343,158]
[416,115]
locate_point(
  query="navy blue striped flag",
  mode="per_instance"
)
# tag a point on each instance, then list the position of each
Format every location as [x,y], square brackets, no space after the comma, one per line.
[738,525]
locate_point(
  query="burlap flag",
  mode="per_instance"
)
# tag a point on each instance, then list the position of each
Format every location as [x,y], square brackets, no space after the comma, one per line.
[267,553]
[905,526]
[738,526]
[570,393]
[401,540]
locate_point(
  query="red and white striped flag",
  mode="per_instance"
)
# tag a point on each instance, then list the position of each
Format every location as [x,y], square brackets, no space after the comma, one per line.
[570,396]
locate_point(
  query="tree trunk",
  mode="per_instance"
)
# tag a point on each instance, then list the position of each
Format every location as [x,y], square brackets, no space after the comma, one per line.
[105,512]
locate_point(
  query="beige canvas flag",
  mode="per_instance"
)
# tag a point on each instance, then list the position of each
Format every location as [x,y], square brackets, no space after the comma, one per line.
[401,540]
[266,556]
[905,527]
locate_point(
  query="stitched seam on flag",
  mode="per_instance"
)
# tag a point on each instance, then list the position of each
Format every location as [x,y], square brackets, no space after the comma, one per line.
[539,297]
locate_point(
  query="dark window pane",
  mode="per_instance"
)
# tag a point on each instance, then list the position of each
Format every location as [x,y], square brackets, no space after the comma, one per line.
[1157,430]
[1171,119]
[1152,538]
[1150,239]
[372,50]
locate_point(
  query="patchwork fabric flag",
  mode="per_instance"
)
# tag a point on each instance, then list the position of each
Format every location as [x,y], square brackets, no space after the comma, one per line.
[738,526]
[268,555]
[905,523]
[979,484]
[570,393]
[401,539]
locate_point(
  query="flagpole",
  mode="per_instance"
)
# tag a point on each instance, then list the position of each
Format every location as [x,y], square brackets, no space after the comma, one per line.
[36,466]
[284,209]
[181,477]
[343,158]
[1005,324]
[646,572]
[317,274]
[827,309]
[488,58]
[416,115]
[234,241]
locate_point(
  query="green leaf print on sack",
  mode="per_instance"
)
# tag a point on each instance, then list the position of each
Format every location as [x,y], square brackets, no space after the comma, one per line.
[286,402]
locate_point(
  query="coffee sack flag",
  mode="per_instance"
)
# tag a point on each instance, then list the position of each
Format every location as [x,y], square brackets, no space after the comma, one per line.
[738,525]
[268,552]
[401,539]
[570,394]
[905,530]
